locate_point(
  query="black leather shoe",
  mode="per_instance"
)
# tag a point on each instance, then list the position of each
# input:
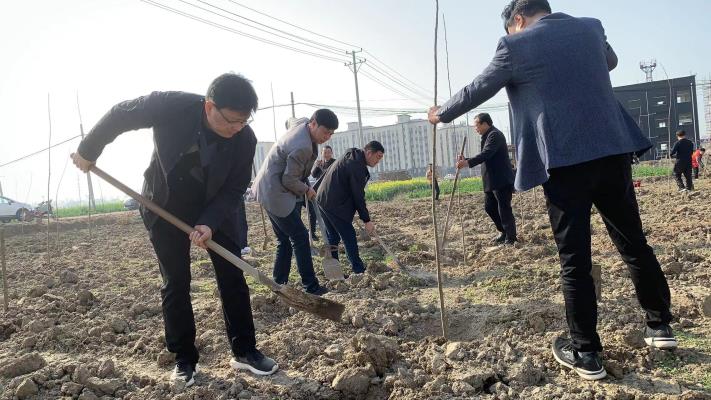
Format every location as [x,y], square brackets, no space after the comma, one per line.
[255,362]
[586,364]
[319,292]
[499,240]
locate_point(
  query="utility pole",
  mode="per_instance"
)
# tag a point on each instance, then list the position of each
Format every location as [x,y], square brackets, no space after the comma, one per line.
[293,113]
[92,202]
[355,66]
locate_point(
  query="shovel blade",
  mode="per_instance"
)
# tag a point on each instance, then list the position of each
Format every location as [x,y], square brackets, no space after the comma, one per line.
[319,306]
[332,270]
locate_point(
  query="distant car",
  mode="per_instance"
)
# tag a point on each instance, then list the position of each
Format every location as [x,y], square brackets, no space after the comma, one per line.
[130,204]
[448,177]
[11,209]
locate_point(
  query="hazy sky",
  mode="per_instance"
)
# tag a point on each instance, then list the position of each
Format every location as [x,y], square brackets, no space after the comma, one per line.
[112,50]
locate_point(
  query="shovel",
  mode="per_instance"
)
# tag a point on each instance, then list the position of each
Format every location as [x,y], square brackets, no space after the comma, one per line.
[297,299]
[314,250]
[387,249]
[331,267]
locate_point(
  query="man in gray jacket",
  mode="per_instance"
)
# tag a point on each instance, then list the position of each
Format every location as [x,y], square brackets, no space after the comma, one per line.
[575,139]
[280,187]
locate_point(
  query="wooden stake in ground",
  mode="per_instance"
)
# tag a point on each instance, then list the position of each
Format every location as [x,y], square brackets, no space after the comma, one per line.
[4,271]
[49,175]
[461,222]
[443,311]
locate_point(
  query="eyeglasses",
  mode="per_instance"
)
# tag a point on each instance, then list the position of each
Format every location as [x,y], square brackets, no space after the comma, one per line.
[238,122]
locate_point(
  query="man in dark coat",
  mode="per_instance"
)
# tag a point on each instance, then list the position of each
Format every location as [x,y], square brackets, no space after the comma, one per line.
[342,194]
[199,170]
[318,172]
[497,177]
[682,151]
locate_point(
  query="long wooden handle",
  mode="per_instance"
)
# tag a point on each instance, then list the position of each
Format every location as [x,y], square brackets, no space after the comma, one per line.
[451,197]
[223,252]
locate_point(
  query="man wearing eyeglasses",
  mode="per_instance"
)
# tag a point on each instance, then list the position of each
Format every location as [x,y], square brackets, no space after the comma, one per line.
[200,168]
[280,187]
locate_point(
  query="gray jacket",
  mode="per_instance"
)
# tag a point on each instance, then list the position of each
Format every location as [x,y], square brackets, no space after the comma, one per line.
[280,181]
[556,74]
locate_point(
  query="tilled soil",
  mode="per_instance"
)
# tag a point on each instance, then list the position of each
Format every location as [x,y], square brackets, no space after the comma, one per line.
[88,323]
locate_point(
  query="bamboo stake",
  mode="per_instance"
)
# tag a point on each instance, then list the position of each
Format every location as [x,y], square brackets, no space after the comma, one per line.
[49,175]
[261,210]
[4,271]
[443,311]
[461,222]
[451,197]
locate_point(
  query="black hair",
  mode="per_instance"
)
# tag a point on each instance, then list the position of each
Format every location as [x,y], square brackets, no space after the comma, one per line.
[328,147]
[374,146]
[527,8]
[233,91]
[484,117]
[702,149]
[325,117]
[681,133]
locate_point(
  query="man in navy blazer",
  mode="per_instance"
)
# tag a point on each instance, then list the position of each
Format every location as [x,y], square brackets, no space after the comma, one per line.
[574,138]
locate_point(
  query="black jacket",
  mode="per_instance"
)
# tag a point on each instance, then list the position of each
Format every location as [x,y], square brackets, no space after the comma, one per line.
[177,122]
[682,151]
[496,169]
[342,190]
[319,172]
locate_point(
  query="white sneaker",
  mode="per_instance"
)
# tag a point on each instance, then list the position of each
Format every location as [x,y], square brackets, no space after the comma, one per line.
[246,251]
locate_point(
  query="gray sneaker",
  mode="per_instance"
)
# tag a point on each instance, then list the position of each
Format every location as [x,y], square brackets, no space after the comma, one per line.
[184,373]
[255,362]
[660,337]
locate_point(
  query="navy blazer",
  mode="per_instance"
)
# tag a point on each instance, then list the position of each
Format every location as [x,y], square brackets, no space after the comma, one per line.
[176,119]
[556,74]
[496,169]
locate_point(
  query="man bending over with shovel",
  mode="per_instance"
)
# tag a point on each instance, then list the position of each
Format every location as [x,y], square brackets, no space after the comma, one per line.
[342,193]
[201,166]
[280,188]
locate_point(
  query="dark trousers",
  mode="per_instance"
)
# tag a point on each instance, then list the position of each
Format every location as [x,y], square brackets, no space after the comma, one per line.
[696,172]
[436,188]
[497,204]
[338,229]
[312,218]
[172,247]
[685,170]
[242,227]
[293,239]
[570,193]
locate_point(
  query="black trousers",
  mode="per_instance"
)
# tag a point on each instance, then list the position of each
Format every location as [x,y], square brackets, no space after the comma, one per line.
[172,247]
[242,227]
[685,170]
[497,205]
[696,172]
[436,188]
[570,193]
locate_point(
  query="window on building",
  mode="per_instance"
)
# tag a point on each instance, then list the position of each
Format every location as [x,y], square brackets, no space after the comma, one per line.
[685,119]
[683,96]
[660,101]
[661,123]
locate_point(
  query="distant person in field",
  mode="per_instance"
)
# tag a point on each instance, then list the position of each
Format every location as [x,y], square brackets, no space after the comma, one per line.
[280,187]
[497,177]
[697,162]
[573,137]
[432,179]
[318,172]
[342,194]
[682,151]
[200,168]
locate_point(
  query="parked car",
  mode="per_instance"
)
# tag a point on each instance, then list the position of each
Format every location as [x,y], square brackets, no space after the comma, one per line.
[11,209]
[130,204]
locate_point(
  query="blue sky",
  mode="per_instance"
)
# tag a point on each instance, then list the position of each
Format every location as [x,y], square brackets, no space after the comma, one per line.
[113,50]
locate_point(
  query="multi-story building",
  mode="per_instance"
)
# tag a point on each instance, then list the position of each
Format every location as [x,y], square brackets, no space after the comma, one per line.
[661,108]
[408,145]
[707,104]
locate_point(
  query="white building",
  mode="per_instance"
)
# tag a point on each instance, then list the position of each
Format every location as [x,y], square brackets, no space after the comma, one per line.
[408,144]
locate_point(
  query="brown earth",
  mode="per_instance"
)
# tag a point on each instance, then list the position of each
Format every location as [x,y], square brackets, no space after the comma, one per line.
[89,324]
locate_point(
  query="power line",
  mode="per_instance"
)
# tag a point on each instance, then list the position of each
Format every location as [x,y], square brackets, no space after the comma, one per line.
[39,151]
[301,40]
[237,32]
[387,86]
[397,81]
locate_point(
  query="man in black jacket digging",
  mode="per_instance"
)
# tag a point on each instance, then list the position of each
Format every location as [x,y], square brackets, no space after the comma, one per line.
[342,193]
[682,151]
[318,172]
[201,166]
[496,175]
